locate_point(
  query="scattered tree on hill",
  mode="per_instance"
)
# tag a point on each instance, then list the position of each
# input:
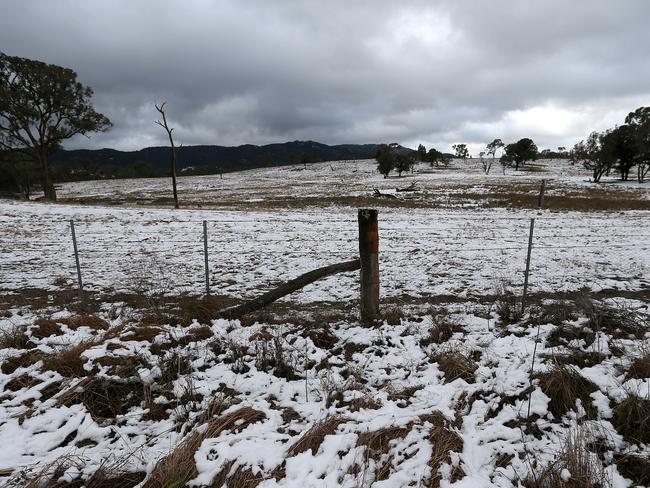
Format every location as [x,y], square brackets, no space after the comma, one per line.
[421,153]
[163,124]
[461,150]
[590,154]
[403,163]
[434,157]
[639,121]
[385,159]
[519,152]
[42,105]
[493,147]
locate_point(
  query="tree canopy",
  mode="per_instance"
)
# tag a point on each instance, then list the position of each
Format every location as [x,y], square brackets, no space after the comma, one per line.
[41,105]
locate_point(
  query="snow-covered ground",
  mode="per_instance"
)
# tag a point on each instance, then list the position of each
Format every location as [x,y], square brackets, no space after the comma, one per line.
[384,397]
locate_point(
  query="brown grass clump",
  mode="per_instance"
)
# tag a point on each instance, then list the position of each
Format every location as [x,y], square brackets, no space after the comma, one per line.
[201,309]
[403,395]
[145,333]
[634,467]
[442,330]
[68,362]
[364,403]
[392,315]
[106,398]
[196,334]
[507,305]
[443,442]
[564,385]
[377,445]
[85,320]
[313,438]
[456,364]
[46,328]
[584,467]
[24,360]
[640,367]
[632,419]
[14,337]
[179,466]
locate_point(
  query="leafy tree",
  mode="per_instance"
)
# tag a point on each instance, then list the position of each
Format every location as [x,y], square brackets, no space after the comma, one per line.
[421,153]
[434,157]
[519,152]
[385,159]
[591,155]
[639,122]
[493,146]
[618,147]
[403,163]
[42,105]
[461,150]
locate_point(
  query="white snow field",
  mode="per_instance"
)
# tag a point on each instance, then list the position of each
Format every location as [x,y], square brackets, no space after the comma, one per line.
[454,388]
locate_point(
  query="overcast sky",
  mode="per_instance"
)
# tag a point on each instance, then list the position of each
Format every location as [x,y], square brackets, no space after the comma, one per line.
[344,71]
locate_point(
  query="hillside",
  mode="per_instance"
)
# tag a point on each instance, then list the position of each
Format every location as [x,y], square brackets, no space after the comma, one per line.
[221,157]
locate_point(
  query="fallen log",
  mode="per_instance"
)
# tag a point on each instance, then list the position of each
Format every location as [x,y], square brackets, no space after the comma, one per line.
[411,187]
[377,193]
[287,288]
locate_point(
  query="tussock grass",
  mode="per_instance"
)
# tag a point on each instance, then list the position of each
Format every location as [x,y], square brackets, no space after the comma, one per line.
[442,329]
[564,385]
[455,364]
[377,444]
[632,419]
[443,441]
[46,328]
[14,337]
[179,467]
[574,467]
[640,367]
[392,315]
[313,438]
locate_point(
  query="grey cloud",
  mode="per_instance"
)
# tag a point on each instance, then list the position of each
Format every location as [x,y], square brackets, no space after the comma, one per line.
[368,71]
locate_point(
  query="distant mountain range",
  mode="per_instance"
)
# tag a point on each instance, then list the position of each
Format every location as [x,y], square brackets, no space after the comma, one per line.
[219,157]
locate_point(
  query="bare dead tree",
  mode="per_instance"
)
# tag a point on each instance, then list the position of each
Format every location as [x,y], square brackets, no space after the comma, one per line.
[163,124]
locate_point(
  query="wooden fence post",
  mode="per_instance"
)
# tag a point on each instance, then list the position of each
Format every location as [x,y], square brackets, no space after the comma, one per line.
[530,248]
[76,258]
[369,257]
[205,255]
[540,202]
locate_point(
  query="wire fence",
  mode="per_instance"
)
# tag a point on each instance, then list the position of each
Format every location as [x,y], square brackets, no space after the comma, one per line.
[461,254]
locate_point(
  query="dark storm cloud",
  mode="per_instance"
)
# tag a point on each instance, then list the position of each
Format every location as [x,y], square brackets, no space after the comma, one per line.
[236,72]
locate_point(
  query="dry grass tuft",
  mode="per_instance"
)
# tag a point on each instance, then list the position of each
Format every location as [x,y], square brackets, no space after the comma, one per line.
[574,467]
[456,364]
[364,403]
[634,467]
[144,333]
[68,362]
[11,364]
[442,329]
[640,367]
[14,337]
[179,467]
[443,442]
[313,438]
[564,385]
[403,395]
[46,328]
[632,419]
[392,315]
[377,445]
[507,305]
[85,320]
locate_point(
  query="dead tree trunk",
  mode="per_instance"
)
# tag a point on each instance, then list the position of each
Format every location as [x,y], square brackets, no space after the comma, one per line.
[287,288]
[163,124]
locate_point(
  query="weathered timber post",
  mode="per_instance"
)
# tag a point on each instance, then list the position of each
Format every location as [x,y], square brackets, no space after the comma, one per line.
[76,258]
[530,248]
[205,256]
[369,257]
[540,202]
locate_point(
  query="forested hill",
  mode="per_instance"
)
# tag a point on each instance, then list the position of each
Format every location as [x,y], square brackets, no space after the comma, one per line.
[211,158]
